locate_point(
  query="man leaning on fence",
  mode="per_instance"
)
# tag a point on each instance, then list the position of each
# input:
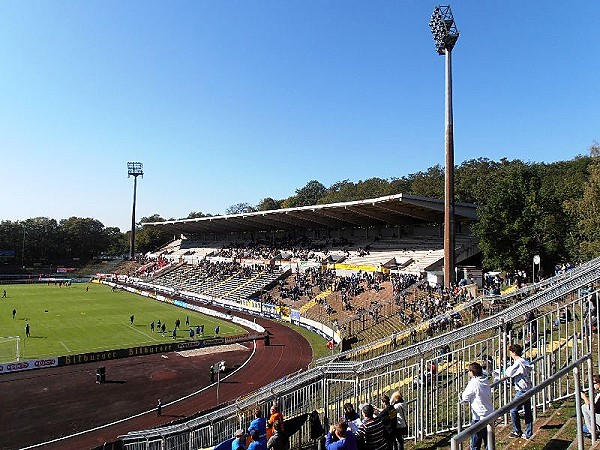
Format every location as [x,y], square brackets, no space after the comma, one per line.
[479,394]
[520,374]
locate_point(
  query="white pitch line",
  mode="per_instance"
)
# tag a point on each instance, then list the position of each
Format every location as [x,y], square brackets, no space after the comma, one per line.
[144,412]
[63,344]
[141,332]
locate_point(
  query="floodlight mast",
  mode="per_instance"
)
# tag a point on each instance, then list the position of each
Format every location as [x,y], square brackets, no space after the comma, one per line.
[134,169]
[445,35]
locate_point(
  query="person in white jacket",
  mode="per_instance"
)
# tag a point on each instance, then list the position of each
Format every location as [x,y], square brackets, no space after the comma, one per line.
[520,374]
[479,394]
[586,408]
[401,418]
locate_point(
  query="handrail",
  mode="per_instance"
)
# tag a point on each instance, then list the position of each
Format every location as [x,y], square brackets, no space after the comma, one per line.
[577,278]
[489,419]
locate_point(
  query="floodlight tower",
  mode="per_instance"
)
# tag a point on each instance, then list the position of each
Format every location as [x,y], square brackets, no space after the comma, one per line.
[445,35]
[134,169]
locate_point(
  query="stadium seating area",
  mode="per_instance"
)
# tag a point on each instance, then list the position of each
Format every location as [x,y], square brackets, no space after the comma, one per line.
[334,282]
[225,280]
[429,365]
[412,254]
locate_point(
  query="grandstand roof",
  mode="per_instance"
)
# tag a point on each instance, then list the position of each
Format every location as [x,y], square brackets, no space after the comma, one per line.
[392,210]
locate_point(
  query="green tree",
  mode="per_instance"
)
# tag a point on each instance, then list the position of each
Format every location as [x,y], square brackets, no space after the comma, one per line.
[196,215]
[428,184]
[372,188]
[240,208]
[471,178]
[149,239]
[268,204]
[595,149]
[12,234]
[308,195]
[584,237]
[117,242]
[400,185]
[504,218]
[83,238]
[340,191]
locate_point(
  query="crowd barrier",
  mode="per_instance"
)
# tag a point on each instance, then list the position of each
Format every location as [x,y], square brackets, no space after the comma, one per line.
[430,379]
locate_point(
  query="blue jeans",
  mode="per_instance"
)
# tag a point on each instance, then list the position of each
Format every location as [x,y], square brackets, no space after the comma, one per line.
[516,421]
[478,438]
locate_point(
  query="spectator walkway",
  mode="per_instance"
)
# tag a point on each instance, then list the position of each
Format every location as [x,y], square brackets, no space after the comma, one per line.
[313,302]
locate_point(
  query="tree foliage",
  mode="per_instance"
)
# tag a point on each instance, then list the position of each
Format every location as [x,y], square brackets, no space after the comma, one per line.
[268,204]
[149,238]
[308,195]
[240,208]
[196,215]
[524,209]
[584,237]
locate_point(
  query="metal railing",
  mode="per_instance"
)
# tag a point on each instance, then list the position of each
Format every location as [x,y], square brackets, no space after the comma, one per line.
[488,421]
[432,395]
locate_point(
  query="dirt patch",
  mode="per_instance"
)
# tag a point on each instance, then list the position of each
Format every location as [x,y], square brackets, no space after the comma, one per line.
[212,350]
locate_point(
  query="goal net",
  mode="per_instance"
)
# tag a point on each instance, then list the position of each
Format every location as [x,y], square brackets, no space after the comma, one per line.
[10,349]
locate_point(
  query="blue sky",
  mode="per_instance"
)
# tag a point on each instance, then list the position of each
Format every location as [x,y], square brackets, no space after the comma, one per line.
[229,101]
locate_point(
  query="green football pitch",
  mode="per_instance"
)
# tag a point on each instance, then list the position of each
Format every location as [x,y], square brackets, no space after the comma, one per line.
[69,320]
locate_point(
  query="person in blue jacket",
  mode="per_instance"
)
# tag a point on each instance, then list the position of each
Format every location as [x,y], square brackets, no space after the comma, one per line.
[256,443]
[340,438]
[239,442]
[259,424]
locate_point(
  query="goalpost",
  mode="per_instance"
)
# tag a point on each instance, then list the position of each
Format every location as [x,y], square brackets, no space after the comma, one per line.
[10,348]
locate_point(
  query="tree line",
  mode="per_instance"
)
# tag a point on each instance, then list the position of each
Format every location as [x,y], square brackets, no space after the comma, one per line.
[524,209]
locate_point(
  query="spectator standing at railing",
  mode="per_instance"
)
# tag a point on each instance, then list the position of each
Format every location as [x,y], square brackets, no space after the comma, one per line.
[520,374]
[239,441]
[278,441]
[259,425]
[479,394]
[256,443]
[370,434]
[351,417]
[586,409]
[276,416]
[387,415]
[402,423]
[340,437]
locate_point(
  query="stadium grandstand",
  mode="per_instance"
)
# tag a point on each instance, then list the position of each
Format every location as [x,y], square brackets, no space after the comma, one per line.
[554,320]
[366,276]
[395,232]
[337,265]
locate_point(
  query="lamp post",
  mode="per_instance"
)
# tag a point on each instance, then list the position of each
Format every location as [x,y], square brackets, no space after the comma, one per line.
[445,35]
[134,169]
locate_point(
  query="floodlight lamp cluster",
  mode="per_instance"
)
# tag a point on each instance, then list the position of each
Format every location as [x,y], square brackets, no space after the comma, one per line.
[135,169]
[443,28]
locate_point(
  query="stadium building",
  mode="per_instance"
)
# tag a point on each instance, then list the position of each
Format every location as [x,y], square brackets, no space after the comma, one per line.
[398,233]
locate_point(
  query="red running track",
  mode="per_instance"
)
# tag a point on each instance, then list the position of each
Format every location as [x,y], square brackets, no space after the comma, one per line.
[44,405]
